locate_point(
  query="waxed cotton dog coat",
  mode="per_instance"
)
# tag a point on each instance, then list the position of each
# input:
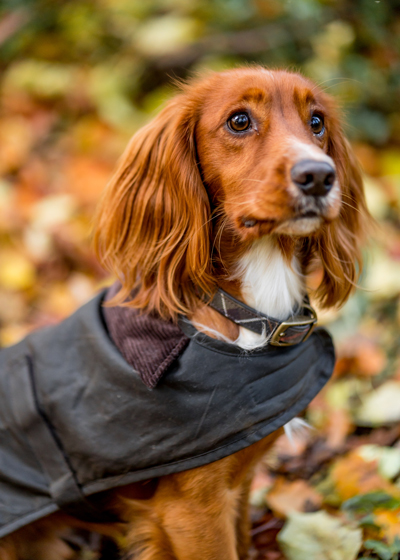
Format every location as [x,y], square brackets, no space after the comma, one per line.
[76,418]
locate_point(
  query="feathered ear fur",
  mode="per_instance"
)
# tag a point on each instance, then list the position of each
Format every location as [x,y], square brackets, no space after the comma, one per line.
[339,244]
[153,222]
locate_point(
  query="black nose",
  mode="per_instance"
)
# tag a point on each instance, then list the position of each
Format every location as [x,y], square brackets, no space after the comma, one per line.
[314,178]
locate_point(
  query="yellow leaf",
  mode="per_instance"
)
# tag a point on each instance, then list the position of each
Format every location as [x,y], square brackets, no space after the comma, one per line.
[166,34]
[16,271]
[389,523]
[383,275]
[318,536]
[380,406]
[391,162]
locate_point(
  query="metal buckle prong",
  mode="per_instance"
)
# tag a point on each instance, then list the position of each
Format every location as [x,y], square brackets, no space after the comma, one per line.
[298,321]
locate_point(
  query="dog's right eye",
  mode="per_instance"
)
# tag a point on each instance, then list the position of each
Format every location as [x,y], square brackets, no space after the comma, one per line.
[239,122]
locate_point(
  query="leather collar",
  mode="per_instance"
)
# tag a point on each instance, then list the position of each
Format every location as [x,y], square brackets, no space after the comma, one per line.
[294,330]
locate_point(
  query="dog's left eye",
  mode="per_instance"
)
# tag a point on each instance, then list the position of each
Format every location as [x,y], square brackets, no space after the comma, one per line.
[239,122]
[317,125]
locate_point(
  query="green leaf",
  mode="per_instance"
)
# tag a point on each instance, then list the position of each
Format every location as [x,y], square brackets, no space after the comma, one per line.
[368,521]
[381,549]
[368,502]
[395,546]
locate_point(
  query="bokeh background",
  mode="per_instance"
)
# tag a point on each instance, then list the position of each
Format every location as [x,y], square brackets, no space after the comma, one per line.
[79,77]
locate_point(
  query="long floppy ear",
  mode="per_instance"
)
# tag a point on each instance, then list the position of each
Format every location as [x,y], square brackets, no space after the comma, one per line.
[152,225]
[339,244]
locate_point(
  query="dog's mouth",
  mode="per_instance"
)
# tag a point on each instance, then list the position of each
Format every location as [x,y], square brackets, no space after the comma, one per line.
[306,215]
[251,223]
[302,223]
[305,219]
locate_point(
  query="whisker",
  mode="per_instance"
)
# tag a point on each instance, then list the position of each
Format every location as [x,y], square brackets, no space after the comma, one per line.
[213,215]
[219,235]
[255,180]
[351,206]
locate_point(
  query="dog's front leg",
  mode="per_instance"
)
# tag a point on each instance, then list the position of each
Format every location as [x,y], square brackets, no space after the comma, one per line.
[192,516]
[243,519]
[199,512]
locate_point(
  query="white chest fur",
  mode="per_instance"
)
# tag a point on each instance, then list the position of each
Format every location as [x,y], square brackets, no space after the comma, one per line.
[270,284]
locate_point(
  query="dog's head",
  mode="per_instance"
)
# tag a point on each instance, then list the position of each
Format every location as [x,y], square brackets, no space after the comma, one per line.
[235,156]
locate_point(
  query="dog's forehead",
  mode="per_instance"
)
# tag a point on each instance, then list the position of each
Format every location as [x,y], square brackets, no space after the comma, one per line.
[238,88]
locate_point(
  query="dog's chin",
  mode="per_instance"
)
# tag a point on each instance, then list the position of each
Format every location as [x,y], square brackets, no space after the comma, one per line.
[300,226]
[294,226]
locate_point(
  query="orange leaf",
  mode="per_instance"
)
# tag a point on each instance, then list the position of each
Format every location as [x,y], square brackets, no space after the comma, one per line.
[338,427]
[288,496]
[360,356]
[352,475]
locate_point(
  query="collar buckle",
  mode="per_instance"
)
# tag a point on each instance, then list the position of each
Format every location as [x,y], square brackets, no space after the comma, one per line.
[296,329]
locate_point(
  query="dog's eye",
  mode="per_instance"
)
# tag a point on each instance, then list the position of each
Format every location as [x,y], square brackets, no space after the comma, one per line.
[317,125]
[239,122]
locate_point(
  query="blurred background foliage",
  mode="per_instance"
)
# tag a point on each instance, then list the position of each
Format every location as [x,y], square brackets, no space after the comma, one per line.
[115,58]
[78,77]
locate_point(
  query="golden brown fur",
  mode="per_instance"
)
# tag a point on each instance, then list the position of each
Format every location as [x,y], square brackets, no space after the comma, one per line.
[171,223]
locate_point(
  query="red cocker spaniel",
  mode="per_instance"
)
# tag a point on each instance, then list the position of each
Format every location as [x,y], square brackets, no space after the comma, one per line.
[245,182]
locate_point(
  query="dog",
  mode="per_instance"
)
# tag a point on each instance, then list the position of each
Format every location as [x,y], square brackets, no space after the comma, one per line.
[243,183]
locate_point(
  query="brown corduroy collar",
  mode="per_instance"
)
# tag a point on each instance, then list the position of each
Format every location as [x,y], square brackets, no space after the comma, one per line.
[148,343]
